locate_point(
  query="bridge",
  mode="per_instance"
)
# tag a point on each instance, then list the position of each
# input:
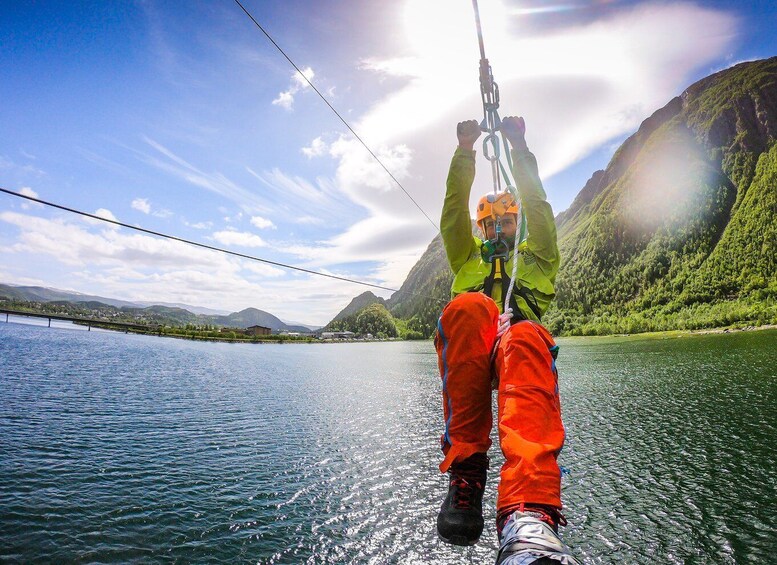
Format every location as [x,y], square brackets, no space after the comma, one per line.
[126,326]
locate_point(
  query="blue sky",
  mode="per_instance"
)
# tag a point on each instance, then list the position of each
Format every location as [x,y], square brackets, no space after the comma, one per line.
[181,117]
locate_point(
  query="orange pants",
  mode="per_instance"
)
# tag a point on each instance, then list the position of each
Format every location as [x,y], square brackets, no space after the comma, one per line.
[529,413]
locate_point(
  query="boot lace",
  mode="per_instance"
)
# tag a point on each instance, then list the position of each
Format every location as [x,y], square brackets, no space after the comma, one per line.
[468,483]
[548,514]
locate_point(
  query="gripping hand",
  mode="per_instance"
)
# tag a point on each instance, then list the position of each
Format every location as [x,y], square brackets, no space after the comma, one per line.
[514,129]
[467,132]
[504,323]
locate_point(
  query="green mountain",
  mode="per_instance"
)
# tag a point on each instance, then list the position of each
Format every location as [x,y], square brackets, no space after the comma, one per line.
[355,306]
[678,232]
[425,291]
[680,229]
[365,314]
[253,317]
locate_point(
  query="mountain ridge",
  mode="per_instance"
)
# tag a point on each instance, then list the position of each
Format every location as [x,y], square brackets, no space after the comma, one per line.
[174,312]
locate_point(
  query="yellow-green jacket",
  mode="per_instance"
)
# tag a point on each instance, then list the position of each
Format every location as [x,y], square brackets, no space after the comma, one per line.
[538,258]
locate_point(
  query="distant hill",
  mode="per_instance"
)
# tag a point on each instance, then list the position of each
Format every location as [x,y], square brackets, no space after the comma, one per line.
[194,309]
[254,317]
[420,298]
[357,304]
[346,318]
[157,313]
[365,315]
[309,327]
[43,294]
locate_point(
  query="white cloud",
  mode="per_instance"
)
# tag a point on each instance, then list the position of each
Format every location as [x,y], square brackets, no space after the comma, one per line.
[234,219]
[28,204]
[162,213]
[285,99]
[103,213]
[263,269]
[360,174]
[26,170]
[295,196]
[577,88]
[72,244]
[316,148]
[262,223]
[199,225]
[142,205]
[242,239]
[309,220]
[213,182]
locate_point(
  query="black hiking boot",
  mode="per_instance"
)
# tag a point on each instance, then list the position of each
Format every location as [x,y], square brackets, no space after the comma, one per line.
[460,520]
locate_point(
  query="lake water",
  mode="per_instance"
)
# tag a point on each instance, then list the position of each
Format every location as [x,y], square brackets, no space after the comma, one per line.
[119,448]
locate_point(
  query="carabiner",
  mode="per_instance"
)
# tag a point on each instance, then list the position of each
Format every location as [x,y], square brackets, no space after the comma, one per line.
[494,139]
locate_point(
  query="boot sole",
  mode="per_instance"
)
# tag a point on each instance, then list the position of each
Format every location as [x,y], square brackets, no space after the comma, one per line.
[458,540]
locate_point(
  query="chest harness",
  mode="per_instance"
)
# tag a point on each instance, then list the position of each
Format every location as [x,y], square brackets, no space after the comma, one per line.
[510,290]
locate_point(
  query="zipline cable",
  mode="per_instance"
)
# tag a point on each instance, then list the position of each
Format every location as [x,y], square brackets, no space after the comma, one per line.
[195,243]
[347,125]
[491,124]
[479,29]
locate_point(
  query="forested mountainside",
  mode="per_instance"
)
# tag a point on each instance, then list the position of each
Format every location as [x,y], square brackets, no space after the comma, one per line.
[355,306]
[425,291]
[365,314]
[680,229]
[678,232]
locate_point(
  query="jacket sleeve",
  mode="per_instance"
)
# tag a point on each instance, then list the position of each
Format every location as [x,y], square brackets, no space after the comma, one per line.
[541,240]
[455,223]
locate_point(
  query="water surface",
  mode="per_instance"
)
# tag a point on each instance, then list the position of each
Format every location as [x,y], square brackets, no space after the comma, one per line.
[121,448]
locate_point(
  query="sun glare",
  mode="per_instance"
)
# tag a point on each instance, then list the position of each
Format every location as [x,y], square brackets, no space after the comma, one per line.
[667,186]
[439,26]
[543,10]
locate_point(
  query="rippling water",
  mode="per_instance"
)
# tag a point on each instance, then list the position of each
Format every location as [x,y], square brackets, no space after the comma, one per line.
[121,448]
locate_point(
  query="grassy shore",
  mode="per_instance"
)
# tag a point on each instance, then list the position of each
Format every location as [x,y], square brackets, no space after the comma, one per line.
[669,334]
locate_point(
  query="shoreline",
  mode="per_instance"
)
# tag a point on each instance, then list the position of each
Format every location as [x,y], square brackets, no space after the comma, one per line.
[279,339]
[677,333]
[269,339]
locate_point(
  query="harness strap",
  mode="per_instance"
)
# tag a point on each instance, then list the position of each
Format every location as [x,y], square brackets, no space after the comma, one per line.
[488,282]
[528,297]
[497,267]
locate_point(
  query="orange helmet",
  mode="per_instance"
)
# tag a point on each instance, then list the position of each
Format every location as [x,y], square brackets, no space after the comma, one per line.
[493,205]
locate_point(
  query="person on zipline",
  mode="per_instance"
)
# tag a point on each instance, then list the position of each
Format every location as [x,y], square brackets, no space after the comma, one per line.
[478,344]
